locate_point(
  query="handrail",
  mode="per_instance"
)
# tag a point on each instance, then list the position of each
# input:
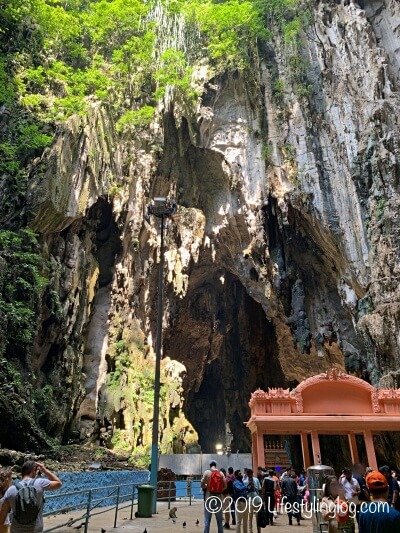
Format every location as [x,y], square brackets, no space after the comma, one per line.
[90,503]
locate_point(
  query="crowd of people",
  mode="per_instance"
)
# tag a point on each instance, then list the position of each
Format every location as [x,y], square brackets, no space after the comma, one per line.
[251,501]
[245,500]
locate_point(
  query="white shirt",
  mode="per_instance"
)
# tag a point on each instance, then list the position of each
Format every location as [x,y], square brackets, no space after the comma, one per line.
[350,486]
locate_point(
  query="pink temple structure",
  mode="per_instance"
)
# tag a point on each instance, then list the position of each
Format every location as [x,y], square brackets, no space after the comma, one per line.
[332,403]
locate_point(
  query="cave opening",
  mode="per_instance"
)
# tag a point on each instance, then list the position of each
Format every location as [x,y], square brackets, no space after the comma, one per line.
[229,348]
[107,240]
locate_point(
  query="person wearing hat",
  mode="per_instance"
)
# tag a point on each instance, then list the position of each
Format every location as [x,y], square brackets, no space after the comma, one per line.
[377,516]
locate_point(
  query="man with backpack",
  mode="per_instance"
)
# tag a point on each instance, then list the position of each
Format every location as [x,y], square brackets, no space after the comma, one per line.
[25,498]
[268,491]
[213,483]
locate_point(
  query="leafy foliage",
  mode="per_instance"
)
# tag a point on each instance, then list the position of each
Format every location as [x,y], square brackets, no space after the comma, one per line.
[21,285]
[232,29]
[73,52]
[140,118]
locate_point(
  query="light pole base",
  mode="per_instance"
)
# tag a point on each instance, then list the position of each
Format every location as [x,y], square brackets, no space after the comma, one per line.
[153,474]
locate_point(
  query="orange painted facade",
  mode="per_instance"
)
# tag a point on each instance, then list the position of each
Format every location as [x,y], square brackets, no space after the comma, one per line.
[330,403]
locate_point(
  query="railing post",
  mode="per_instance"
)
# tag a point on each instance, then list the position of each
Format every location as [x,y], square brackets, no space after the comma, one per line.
[89,504]
[133,501]
[190,491]
[116,507]
[169,494]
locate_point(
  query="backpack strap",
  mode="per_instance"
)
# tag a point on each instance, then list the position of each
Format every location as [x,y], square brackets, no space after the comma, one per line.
[30,483]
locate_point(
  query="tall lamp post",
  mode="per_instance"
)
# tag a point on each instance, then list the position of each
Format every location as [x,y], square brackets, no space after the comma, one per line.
[162,209]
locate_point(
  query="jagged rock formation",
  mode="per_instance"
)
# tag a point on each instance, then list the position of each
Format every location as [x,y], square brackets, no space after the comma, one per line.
[284,257]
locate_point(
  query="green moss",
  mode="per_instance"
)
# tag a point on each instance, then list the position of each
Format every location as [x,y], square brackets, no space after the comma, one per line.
[118,441]
[42,400]
[140,457]
[380,208]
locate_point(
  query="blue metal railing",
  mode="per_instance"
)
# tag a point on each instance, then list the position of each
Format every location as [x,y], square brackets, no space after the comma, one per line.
[114,497]
[91,500]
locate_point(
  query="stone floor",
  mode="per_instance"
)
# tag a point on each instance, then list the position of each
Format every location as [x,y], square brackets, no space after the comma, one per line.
[159,523]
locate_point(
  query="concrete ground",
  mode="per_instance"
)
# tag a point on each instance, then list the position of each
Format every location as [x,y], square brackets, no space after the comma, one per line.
[159,523]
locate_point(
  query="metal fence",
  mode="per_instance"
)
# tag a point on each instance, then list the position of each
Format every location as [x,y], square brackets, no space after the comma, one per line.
[116,498]
[194,464]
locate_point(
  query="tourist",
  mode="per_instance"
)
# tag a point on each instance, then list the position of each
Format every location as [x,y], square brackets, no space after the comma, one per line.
[230,478]
[240,497]
[377,516]
[5,483]
[228,499]
[278,494]
[351,486]
[30,470]
[254,500]
[268,492]
[286,473]
[363,495]
[396,477]
[226,503]
[292,504]
[211,504]
[332,492]
[393,494]
[302,478]
[359,475]
[260,474]
[351,491]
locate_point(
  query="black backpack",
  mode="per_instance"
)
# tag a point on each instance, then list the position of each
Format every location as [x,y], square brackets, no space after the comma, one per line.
[269,485]
[27,505]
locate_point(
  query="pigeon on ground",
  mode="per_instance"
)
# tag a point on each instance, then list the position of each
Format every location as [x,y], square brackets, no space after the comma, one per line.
[184,524]
[197,522]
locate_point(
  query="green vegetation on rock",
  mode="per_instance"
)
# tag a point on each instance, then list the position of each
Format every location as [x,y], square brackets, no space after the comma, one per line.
[76,52]
[21,287]
[59,58]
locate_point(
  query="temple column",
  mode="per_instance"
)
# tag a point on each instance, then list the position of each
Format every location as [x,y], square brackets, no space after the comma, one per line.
[369,446]
[315,448]
[353,448]
[254,450]
[260,449]
[305,449]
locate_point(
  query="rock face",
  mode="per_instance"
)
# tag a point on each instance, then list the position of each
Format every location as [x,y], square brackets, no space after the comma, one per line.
[283,259]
